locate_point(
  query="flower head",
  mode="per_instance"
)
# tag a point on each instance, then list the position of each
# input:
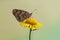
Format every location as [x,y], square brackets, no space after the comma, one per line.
[31,23]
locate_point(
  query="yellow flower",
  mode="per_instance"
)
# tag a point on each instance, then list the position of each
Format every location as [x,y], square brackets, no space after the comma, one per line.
[31,23]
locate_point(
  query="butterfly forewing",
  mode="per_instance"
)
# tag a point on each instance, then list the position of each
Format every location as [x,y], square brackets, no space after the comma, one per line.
[21,15]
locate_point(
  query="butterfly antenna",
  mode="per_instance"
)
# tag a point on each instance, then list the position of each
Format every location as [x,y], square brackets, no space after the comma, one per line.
[34,10]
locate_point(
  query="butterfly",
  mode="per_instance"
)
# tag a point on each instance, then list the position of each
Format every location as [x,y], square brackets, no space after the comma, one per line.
[21,15]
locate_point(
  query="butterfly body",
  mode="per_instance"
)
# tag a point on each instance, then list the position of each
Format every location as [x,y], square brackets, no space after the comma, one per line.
[21,14]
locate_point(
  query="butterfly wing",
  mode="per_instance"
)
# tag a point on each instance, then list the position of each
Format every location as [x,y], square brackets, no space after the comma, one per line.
[21,14]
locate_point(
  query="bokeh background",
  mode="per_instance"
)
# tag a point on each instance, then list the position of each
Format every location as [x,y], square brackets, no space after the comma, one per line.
[47,13]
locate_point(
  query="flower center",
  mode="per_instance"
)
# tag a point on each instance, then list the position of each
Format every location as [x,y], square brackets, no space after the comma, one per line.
[30,22]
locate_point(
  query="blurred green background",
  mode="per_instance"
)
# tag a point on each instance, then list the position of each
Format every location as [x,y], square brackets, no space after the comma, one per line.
[48,13]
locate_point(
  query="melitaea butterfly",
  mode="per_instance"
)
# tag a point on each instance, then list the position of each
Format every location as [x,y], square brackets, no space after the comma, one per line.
[21,15]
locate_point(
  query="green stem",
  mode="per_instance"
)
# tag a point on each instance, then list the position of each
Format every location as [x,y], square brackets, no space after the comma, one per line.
[30,34]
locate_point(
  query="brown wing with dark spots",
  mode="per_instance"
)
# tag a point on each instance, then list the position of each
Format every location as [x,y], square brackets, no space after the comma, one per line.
[21,14]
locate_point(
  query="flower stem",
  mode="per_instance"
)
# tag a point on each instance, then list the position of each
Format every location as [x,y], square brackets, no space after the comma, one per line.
[30,34]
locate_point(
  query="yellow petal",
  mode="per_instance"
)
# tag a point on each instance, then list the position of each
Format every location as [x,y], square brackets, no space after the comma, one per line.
[31,23]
